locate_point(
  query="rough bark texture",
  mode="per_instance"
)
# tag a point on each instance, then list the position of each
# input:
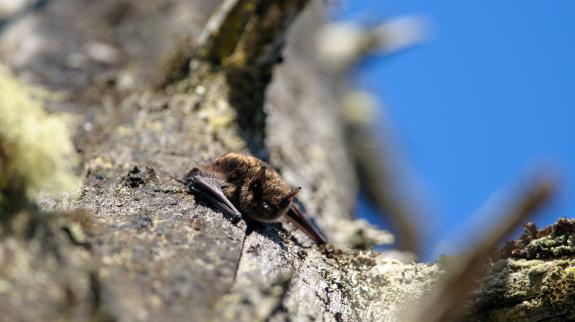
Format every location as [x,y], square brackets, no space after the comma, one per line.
[136,248]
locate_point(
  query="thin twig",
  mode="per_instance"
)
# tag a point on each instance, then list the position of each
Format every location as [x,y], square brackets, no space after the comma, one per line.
[444,304]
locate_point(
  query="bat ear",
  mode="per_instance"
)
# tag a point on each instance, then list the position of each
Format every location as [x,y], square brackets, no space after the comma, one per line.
[293,193]
[262,175]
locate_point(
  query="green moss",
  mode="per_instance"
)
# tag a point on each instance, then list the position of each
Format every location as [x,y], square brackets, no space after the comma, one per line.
[36,152]
[554,241]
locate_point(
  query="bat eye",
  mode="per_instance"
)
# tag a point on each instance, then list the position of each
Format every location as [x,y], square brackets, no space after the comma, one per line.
[266,206]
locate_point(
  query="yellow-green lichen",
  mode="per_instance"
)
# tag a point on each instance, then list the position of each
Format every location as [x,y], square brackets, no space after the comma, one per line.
[36,152]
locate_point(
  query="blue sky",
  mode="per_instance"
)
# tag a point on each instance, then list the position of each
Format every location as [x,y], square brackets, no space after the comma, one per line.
[490,90]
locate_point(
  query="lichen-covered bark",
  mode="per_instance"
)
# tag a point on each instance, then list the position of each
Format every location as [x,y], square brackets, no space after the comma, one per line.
[526,290]
[136,248]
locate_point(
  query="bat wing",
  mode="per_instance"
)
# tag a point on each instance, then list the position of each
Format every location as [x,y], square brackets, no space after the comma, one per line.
[210,190]
[298,219]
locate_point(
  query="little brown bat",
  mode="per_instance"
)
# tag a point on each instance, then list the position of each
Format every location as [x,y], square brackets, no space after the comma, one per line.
[240,184]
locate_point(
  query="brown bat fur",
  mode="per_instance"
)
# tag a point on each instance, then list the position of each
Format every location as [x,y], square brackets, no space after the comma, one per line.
[253,186]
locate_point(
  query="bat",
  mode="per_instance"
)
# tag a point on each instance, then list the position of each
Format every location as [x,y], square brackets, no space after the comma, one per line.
[242,185]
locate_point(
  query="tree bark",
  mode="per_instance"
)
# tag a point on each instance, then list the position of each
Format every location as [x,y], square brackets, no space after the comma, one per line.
[135,247]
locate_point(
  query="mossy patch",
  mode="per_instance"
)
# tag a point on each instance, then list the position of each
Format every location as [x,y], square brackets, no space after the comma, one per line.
[36,152]
[554,241]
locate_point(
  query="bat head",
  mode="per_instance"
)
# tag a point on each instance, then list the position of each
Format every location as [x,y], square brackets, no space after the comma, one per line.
[267,197]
